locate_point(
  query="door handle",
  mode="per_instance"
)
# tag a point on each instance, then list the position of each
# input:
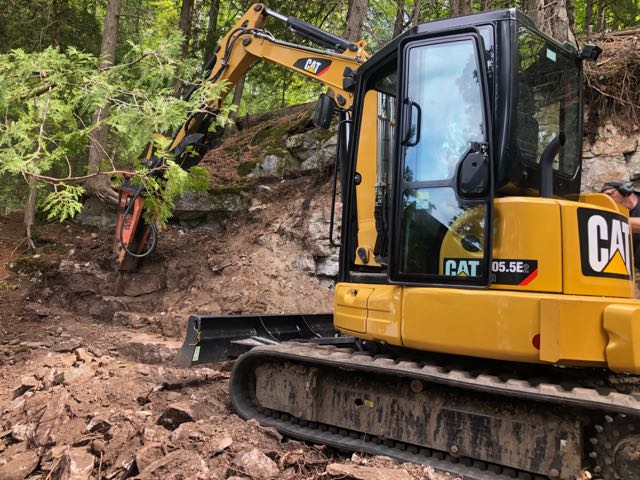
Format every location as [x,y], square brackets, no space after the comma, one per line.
[409,106]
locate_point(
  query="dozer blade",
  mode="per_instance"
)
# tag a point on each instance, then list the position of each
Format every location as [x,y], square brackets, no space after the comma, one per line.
[213,339]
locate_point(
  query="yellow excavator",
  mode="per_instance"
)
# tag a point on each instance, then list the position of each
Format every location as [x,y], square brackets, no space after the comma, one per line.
[484,320]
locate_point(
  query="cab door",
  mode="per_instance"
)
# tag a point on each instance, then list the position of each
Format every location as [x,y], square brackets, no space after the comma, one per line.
[443,194]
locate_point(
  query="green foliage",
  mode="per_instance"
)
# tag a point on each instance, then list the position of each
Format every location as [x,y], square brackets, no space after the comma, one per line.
[161,192]
[51,87]
[47,101]
[33,25]
[63,202]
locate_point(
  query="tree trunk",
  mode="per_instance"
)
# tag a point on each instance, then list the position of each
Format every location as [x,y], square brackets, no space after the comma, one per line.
[398,25]
[588,15]
[355,19]
[100,185]
[30,211]
[60,10]
[552,18]
[455,7]
[466,7]
[212,30]
[415,13]
[186,16]
[601,16]
[485,5]
[571,14]
[237,97]
[197,16]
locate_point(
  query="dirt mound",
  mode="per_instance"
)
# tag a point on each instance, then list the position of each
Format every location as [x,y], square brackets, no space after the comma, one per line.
[268,259]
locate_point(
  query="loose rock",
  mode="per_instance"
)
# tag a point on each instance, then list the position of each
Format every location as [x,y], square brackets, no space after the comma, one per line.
[256,464]
[19,465]
[98,424]
[78,375]
[217,445]
[82,355]
[366,473]
[51,378]
[21,432]
[27,383]
[67,345]
[148,454]
[51,417]
[177,465]
[272,432]
[76,464]
[176,414]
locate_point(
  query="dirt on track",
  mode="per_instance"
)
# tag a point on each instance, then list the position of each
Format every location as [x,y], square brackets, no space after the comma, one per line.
[87,388]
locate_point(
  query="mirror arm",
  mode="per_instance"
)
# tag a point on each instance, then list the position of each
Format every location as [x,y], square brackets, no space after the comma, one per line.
[545,169]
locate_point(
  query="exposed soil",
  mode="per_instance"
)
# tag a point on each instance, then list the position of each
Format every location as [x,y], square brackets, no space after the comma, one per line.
[87,388]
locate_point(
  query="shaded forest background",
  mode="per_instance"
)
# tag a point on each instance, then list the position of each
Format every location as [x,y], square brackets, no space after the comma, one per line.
[34,25]
[85,83]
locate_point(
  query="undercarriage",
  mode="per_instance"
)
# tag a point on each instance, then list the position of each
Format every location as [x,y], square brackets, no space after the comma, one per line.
[477,419]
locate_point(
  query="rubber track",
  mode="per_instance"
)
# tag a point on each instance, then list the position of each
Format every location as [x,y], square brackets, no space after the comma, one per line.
[346,358]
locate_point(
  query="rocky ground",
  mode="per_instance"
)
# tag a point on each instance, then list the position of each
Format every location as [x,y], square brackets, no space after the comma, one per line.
[87,388]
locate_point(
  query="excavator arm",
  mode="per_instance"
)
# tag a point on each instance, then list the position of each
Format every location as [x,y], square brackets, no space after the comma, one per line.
[245,44]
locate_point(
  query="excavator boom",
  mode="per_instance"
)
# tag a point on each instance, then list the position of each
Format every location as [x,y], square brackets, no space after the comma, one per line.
[246,43]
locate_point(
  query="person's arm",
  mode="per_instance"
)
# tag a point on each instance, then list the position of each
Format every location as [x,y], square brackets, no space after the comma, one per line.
[635,224]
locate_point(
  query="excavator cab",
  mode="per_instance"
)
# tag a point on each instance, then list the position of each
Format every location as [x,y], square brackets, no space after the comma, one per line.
[462,110]
[464,231]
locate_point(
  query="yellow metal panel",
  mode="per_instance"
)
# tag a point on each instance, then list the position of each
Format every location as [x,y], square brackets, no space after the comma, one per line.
[622,323]
[366,166]
[518,326]
[384,313]
[526,228]
[482,323]
[604,201]
[350,307]
[571,330]
[503,325]
[574,281]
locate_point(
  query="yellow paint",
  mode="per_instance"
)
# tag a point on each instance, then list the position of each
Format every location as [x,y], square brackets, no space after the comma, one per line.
[602,200]
[502,325]
[242,57]
[366,166]
[616,265]
[350,307]
[571,329]
[622,324]
[372,311]
[481,323]
[574,281]
[384,310]
[529,228]
[470,222]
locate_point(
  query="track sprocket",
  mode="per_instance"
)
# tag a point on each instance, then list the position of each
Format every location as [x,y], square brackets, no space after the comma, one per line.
[616,448]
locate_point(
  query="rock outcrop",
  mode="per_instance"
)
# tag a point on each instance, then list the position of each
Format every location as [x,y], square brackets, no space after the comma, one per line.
[615,155]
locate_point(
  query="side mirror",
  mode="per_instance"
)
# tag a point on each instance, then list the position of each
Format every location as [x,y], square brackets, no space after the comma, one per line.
[474,175]
[323,113]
